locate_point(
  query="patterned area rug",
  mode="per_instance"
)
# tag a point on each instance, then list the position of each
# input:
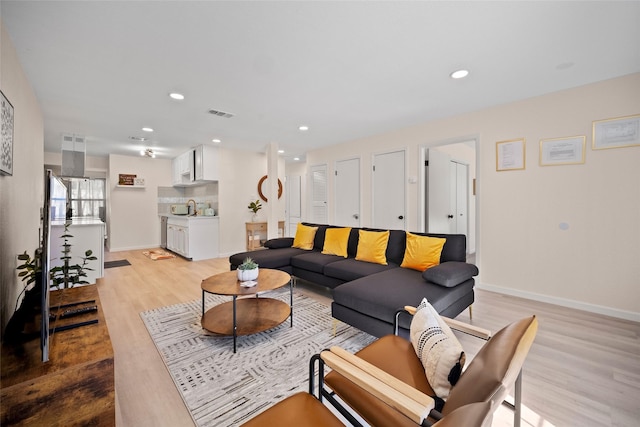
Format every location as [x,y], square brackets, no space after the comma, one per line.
[221,388]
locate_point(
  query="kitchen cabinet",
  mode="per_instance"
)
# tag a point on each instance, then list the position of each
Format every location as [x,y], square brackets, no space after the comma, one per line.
[183,169]
[194,238]
[206,163]
[197,166]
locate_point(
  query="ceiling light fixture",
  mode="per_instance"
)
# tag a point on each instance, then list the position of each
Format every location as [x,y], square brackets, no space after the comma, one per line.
[296,158]
[176,96]
[216,141]
[148,152]
[460,74]
[138,138]
[303,128]
[147,129]
[280,151]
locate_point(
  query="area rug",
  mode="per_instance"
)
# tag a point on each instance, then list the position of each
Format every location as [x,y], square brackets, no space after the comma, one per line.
[221,388]
[158,254]
[116,263]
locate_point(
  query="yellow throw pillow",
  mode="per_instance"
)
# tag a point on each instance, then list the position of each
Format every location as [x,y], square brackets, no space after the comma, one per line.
[372,246]
[304,237]
[336,241]
[422,252]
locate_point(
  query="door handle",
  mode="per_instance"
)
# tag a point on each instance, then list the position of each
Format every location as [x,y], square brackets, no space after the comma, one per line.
[450,216]
[356,216]
[401,217]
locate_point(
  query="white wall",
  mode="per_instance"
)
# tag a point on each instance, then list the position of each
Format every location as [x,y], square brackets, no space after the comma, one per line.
[240,172]
[22,194]
[132,215]
[521,249]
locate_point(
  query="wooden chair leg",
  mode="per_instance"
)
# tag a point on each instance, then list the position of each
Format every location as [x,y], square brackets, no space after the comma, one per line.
[471,312]
[334,327]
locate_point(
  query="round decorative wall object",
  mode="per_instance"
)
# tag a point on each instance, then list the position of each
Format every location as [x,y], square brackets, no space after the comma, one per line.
[262,180]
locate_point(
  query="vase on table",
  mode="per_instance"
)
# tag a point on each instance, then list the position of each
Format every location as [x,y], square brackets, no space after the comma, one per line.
[246,275]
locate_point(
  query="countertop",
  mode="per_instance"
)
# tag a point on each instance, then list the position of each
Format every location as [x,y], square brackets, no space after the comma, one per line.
[197,217]
[79,221]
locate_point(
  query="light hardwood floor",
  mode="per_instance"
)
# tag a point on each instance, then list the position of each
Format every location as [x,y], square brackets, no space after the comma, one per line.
[583,369]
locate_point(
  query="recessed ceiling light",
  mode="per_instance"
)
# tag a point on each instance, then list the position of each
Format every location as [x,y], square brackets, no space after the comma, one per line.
[303,128]
[460,74]
[281,151]
[296,158]
[217,141]
[175,95]
[147,129]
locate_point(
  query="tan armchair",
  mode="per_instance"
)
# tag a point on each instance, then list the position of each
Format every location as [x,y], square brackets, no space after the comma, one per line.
[302,409]
[488,378]
[386,385]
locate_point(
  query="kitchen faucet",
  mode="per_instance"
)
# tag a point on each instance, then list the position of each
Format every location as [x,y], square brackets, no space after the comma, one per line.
[195,207]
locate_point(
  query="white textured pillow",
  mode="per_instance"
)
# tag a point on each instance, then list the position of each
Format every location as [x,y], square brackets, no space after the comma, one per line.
[438,349]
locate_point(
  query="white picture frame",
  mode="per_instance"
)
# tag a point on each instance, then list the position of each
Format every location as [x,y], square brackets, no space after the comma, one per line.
[616,133]
[510,155]
[563,151]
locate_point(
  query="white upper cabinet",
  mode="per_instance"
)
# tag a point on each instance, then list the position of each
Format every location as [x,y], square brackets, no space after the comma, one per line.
[183,169]
[196,166]
[206,163]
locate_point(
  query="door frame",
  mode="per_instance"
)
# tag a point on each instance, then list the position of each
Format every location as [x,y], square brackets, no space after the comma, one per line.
[422,156]
[405,150]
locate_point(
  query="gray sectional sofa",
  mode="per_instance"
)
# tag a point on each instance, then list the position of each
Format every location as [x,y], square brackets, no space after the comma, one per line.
[367,295]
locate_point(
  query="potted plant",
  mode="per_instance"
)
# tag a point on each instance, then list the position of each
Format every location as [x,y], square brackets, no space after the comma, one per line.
[248,270]
[65,276]
[255,207]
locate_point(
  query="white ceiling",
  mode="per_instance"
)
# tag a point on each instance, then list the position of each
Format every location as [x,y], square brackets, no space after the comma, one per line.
[103,69]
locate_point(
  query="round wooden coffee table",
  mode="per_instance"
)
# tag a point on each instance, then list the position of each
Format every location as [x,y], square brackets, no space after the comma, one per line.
[244,316]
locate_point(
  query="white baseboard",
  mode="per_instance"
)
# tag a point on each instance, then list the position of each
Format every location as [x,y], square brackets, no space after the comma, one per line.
[134,248]
[564,302]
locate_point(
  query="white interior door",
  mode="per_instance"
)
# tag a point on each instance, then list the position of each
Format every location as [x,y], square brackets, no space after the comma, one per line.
[347,193]
[438,198]
[319,194]
[389,190]
[294,203]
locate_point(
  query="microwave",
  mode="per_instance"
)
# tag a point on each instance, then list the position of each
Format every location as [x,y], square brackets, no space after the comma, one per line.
[179,209]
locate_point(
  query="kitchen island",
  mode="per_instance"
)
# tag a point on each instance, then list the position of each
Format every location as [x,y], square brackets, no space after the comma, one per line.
[88,234]
[193,237]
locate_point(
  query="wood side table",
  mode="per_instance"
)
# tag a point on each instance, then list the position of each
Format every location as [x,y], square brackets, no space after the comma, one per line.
[255,231]
[246,316]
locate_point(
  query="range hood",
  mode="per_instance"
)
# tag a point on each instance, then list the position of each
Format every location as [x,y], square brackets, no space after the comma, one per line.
[74,149]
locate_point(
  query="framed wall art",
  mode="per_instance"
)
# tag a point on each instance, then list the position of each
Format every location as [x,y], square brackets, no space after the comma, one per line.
[616,133]
[510,155]
[562,151]
[6,138]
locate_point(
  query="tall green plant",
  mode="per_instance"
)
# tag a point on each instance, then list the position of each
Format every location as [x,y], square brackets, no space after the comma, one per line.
[69,274]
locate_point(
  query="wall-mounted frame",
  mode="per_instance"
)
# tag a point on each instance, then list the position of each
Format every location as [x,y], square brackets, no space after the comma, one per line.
[616,133]
[563,151]
[6,136]
[510,155]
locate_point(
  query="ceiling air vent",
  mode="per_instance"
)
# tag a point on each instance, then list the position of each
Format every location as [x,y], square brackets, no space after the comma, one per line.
[221,114]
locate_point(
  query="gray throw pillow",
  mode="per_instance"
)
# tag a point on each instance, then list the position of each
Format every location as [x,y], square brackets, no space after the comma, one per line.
[281,242]
[450,273]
